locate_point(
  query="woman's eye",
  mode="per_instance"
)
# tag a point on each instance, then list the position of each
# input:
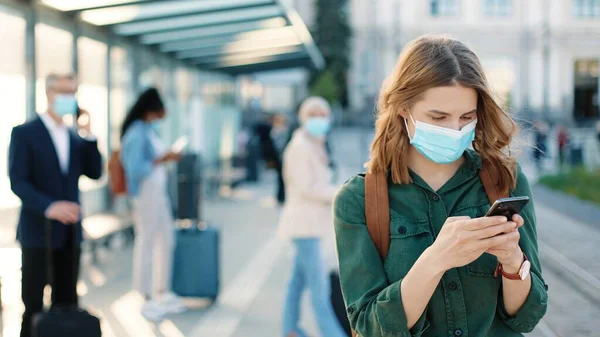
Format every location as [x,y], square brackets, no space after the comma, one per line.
[468,118]
[438,118]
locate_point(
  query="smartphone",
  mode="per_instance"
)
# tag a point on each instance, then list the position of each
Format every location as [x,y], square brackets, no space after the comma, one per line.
[508,207]
[180,144]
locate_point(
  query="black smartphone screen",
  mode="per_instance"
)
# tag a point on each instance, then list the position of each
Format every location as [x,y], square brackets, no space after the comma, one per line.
[508,206]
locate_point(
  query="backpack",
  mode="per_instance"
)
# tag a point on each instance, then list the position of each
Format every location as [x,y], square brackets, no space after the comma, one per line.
[116,174]
[377,205]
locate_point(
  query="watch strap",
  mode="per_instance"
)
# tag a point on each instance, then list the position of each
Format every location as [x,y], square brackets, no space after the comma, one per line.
[499,270]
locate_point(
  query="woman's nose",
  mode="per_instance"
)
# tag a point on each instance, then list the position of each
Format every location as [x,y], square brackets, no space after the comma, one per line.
[455,126]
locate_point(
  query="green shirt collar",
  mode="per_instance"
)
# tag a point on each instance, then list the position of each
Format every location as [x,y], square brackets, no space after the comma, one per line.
[469,169]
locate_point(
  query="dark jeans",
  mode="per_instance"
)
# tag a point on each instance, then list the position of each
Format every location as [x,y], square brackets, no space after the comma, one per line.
[35,278]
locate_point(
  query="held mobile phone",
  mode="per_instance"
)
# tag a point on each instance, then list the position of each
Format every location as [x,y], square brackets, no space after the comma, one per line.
[180,144]
[508,207]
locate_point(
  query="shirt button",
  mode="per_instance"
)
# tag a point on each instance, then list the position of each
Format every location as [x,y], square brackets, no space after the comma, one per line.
[436,197]
[452,286]
[458,332]
[402,230]
[350,310]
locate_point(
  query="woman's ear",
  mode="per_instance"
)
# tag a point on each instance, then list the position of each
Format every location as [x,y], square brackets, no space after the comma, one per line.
[403,113]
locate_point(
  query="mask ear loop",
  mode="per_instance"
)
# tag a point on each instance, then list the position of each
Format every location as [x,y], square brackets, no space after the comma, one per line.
[406,124]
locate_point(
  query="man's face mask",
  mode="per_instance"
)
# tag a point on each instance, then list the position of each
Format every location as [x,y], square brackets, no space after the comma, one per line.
[65,104]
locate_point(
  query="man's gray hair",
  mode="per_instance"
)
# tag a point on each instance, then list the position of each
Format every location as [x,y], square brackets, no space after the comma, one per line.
[52,78]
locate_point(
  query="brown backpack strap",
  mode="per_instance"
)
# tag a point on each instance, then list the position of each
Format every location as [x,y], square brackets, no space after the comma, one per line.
[377,210]
[489,178]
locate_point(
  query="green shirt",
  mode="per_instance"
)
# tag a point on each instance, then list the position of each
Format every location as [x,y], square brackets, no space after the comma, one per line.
[468,300]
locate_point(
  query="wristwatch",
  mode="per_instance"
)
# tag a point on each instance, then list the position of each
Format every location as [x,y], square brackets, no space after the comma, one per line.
[521,275]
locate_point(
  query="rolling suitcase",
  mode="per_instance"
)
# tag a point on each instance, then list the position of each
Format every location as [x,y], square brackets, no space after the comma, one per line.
[196,262]
[337,302]
[68,321]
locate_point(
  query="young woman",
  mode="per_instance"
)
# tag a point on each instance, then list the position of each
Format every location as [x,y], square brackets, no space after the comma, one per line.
[144,156]
[438,277]
[306,218]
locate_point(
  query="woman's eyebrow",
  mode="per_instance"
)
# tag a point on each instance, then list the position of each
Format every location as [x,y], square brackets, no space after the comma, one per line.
[438,112]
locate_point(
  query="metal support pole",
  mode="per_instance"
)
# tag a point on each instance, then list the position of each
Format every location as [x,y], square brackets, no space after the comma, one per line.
[109,197]
[30,67]
[524,50]
[546,35]
[108,92]
[598,98]
[75,49]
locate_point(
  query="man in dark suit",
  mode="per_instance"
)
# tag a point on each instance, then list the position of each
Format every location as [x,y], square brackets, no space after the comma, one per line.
[46,159]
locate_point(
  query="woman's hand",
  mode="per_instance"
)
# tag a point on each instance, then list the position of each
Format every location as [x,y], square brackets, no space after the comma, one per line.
[169,156]
[462,240]
[509,253]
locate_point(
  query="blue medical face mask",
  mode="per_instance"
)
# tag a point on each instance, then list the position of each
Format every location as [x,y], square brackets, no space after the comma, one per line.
[64,105]
[317,126]
[155,125]
[441,145]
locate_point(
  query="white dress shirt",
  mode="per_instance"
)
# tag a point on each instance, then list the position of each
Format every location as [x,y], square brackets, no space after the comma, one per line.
[60,137]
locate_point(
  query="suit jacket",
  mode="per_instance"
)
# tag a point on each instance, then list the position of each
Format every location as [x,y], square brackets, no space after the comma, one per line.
[36,178]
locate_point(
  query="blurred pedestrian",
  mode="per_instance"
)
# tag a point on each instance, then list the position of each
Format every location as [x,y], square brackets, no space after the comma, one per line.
[449,270]
[563,142]
[270,150]
[306,218]
[539,149]
[144,158]
[279,134]
[46,159]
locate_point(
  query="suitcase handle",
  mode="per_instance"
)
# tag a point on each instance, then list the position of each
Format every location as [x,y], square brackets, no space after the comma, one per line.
[50,257]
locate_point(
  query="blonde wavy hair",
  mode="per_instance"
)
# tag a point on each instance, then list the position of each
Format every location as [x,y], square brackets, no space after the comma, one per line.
[435,61]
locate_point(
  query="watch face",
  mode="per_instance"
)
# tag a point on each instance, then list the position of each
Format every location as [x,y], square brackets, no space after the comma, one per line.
[525,268]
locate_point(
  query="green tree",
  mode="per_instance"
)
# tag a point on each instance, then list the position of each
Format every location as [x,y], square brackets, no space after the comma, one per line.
[326,86]
[332,34]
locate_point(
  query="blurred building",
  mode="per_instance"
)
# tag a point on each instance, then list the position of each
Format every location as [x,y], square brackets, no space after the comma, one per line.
[542,56]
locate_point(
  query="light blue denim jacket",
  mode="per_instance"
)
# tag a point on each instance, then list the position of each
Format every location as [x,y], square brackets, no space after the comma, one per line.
[137,155]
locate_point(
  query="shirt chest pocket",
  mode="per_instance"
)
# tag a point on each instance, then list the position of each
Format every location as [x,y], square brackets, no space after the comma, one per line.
[408,240]
[486,264]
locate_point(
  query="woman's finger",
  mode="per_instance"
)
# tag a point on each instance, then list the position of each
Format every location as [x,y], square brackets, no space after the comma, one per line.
[484,222]
[488,232]
[456,218]
[519,220]
[499,240]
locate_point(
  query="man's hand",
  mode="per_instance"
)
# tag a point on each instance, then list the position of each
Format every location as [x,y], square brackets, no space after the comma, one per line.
[64,211]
